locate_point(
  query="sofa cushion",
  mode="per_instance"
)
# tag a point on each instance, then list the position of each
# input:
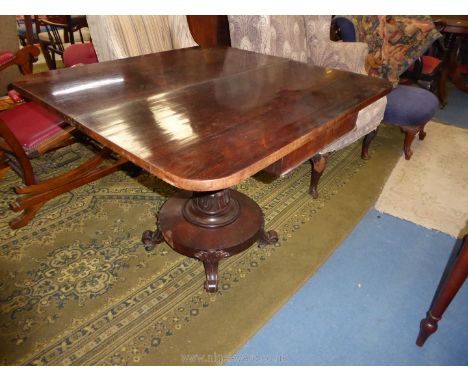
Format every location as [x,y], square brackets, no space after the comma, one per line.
[410,106]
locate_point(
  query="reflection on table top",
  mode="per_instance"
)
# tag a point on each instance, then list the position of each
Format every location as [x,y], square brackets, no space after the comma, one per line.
[202,119]
[454,23]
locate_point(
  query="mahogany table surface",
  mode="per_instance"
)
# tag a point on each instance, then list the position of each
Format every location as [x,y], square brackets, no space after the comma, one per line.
[453,23]
[202,119]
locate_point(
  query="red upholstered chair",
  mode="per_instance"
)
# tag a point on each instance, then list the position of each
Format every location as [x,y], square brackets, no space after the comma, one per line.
[29,130]
[427,71]
[79,54]
[22,58]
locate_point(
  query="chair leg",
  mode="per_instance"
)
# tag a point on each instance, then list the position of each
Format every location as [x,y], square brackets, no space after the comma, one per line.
[422,134]
[366,143]
[47,56]
[4,166]
[49,184]
[3,170]
[410,133]
[450,285]
[25,217]
[318,162]
[30,204]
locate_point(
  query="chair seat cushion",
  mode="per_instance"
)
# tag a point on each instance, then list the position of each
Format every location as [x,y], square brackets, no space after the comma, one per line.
[6,57]
[79,54]
[31,124]
[430,64]
[410,106]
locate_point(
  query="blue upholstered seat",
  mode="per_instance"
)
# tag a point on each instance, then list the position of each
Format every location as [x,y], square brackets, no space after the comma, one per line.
[410,106]
[347,32]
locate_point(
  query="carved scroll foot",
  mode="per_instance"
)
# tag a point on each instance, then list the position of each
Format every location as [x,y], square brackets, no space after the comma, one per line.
[210,261]
[270,237]
[366,143]
[151,238]
[319,162]
[427,327]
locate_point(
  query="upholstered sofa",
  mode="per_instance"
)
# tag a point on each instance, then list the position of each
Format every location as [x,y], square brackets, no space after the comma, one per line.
[307,39]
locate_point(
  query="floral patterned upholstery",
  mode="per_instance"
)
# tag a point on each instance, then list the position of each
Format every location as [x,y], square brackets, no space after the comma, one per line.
[394,42]
[307,39]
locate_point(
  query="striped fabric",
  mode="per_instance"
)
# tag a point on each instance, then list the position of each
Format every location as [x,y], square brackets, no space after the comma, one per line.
[117,37]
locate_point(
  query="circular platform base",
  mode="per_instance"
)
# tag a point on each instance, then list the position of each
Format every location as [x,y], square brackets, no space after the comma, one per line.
[190,239]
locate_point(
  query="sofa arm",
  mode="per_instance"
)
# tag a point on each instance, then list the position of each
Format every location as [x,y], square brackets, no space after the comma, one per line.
[368,120]
[349,56]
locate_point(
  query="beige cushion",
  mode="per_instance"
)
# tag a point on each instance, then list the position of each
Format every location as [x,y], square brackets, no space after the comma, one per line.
[44,36]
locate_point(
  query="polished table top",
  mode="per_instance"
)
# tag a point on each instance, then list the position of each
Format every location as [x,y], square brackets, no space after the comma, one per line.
[202,119]
[453,23]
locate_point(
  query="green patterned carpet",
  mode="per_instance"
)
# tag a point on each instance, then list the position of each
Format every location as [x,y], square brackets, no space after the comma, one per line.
[77,287]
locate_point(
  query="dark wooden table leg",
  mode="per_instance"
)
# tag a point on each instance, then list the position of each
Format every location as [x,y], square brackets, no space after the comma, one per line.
[210,226]
[450,285]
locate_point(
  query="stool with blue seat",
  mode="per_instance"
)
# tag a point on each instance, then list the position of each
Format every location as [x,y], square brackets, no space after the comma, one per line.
[408,107]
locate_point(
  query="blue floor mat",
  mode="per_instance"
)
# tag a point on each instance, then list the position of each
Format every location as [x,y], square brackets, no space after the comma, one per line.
[363,307]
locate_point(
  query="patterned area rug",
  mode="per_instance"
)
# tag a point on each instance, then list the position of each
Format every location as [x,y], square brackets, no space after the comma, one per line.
[430,189]
[77,287]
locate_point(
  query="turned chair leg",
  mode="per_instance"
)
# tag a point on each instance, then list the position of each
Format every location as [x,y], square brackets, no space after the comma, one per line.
[366,143]
[318,162]
[4,166]
[450,285]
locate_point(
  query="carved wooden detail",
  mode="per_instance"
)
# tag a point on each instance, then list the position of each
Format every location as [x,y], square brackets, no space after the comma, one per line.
[151,238]
[210,261]
[211,209]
